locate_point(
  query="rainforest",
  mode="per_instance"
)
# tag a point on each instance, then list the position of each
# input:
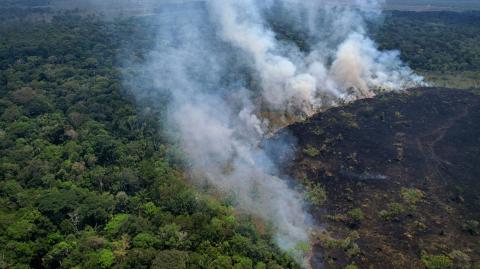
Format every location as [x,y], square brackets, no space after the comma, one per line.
[239,134]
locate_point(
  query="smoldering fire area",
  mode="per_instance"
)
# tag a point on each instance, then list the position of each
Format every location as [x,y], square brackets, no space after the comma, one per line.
[233,79]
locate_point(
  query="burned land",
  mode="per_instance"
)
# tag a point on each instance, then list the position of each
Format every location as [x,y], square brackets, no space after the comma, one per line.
[400,174]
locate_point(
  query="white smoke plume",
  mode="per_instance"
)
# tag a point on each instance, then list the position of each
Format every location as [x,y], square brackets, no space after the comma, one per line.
[218,125]
[206,59]
[342,61]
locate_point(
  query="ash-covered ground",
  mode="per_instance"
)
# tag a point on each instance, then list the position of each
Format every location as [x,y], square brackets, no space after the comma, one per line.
[401,174]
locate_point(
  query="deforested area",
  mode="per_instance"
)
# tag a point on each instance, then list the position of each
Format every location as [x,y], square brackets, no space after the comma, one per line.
[238,134]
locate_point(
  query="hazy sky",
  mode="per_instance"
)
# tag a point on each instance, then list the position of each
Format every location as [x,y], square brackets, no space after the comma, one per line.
[390,4]
[398,3]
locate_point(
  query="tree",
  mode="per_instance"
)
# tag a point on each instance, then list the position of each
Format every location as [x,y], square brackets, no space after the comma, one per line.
[170,259]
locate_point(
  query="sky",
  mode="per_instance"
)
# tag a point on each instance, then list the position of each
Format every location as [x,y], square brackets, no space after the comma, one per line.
[417,5]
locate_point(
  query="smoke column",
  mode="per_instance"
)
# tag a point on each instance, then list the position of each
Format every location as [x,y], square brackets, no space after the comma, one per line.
[209,52]
[215,116]
[342,61]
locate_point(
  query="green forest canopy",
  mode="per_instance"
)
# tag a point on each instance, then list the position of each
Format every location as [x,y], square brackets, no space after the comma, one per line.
[86,178]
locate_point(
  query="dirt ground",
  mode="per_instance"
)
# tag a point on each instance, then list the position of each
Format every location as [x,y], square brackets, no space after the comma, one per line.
[402,176]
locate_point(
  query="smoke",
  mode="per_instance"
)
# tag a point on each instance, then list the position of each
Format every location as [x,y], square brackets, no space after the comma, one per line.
[214,115]
[342,62]
[224,64]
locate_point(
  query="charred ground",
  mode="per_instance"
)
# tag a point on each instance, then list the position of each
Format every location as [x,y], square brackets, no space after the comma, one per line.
[401,176]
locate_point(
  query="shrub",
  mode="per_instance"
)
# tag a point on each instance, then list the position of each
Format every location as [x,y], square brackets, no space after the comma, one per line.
[355,216]
[311,151]
[315,193]
[437,261]
[412,196]
[351,266]
[347,244]
[420,225]
[318,130]
[349,120]
[394,212]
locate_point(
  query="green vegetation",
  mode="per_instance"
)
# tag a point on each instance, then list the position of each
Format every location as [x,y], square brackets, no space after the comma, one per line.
[437,261]
[318,130]
[351,266]
[442,46]
[315,193]
[411,197]
[393,213]
[348,119]
[347,244]
[87,180]
[355,216]
[435,41]
[311,151]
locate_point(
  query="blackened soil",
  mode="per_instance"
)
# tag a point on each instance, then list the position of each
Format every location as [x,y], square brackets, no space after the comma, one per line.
[424,141]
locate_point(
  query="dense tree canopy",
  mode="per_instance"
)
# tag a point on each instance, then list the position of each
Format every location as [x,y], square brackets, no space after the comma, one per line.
[433,41]
[86,178]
